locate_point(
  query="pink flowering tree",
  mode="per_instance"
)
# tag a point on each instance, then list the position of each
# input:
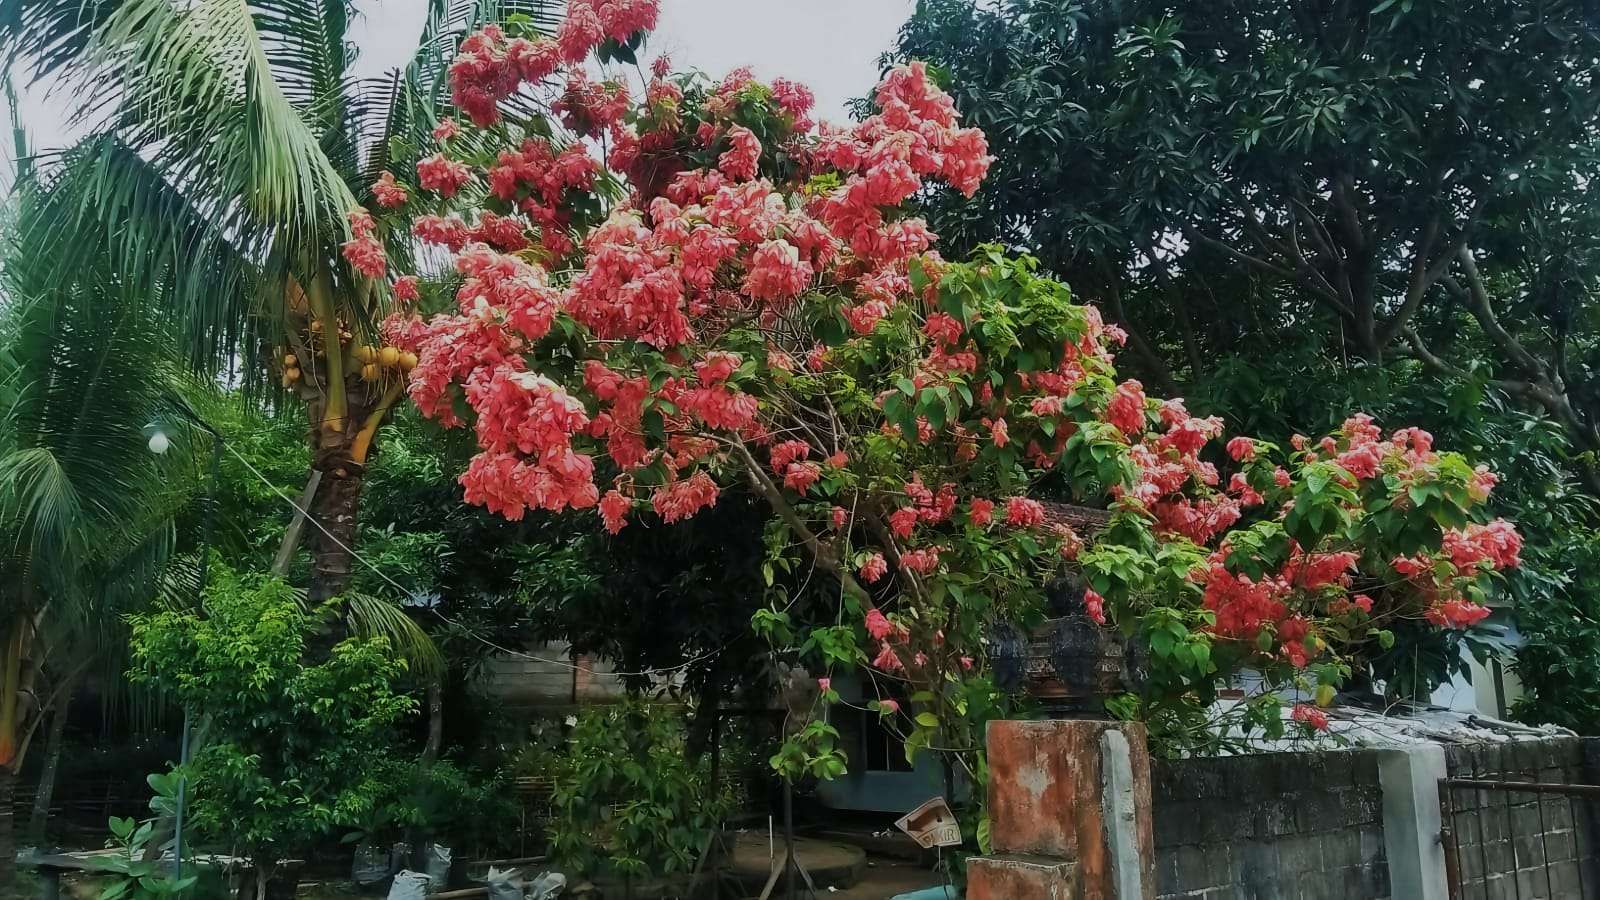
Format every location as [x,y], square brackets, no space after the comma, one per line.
[655,293]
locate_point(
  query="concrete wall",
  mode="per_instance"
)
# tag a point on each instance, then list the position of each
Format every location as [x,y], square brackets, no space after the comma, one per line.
[1312,825]
[1300,825]
[1519,845]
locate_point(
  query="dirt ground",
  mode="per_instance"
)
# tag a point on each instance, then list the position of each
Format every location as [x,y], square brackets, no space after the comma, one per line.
[885,878]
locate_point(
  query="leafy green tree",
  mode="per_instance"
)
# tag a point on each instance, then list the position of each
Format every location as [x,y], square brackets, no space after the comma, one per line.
[1297,209]
[1364,181]
[296,746]
[231,141]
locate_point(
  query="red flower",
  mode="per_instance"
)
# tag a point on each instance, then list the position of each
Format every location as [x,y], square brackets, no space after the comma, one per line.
[981,511]
[902,521]
[405,288]
[682,499]
[920,561]
[1095,605]
[442,175]
[999,433]
[799,477]
[777,272]
[878,625]
[1022,512]
[739,162]
[1310,716]
[1126,409]
[614,510]
[942,328]
[874,568]
[388,192]
[787,452]
[1456,613]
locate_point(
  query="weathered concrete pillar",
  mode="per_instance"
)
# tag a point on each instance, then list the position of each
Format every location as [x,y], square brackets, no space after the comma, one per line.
[1411,819]
[1069,813]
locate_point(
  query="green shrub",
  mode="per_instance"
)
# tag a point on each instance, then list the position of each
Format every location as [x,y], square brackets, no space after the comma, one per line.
[628,799]
[296,747]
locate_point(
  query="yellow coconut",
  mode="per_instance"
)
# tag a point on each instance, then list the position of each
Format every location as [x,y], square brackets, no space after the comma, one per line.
[366,353]
[290,361]
[389,356]
[408,361]
[370,372]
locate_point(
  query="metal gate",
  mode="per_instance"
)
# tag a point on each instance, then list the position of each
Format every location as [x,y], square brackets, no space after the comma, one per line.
[1519,840]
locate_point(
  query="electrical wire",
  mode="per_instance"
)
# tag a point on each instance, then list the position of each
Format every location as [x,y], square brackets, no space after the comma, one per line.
[428,605]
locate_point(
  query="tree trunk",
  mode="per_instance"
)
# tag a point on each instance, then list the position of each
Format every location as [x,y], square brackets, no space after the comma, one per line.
[39,823]
[8,835]
[430,750]
[335,508]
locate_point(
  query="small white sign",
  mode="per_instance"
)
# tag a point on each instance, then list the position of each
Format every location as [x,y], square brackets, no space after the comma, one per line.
[931,825]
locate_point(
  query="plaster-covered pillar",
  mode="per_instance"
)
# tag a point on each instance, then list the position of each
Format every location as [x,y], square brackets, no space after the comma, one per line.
[1069,813]
[1412,820]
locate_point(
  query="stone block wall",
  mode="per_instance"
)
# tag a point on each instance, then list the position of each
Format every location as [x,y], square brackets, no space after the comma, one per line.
[1277,825]
[1522,845]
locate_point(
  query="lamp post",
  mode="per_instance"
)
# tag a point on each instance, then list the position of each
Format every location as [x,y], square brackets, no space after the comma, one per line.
[159,442]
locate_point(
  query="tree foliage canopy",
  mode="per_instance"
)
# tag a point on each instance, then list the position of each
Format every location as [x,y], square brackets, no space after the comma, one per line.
[1366,181]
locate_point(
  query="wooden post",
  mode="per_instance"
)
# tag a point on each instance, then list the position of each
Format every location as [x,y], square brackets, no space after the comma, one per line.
[297,525]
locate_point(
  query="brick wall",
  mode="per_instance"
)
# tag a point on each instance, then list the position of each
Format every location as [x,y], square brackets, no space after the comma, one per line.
[1520,845]
[1277,825]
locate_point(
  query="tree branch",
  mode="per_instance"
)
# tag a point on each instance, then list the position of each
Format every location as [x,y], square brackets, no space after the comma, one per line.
[821,551]
[1331,299]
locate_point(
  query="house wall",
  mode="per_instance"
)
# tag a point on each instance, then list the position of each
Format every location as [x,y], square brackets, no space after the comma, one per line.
[549,676]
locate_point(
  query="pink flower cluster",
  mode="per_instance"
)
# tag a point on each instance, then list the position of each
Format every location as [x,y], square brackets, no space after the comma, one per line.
[1309,716]
[443,175]
[388,192]
[489,68]
[538,179]
[363,251]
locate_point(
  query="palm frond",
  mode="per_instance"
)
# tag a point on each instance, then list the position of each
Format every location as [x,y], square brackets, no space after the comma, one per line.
[103,193]
[222,103]
[86,364]
[371,616]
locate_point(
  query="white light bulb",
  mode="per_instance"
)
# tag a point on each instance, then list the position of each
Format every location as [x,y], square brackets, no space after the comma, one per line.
[159,443]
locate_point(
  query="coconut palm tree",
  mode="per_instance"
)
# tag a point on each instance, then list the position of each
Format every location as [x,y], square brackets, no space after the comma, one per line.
[86,511]
[245,119]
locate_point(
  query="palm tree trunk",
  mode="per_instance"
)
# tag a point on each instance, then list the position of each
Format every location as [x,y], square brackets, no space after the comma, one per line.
[8,835]
[334,509]
[38,824]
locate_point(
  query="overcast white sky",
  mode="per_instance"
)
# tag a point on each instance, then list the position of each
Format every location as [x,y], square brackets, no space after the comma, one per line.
[831,45]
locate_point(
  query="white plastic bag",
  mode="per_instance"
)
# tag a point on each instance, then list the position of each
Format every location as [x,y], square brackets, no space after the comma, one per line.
[504,884]
[409,885]
[438,864]
[547,886]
